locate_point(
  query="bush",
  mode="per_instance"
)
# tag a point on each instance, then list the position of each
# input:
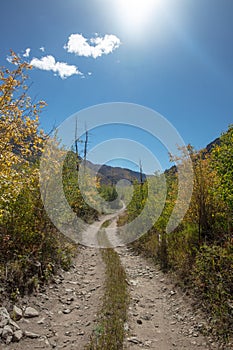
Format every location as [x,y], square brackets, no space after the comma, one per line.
[213,281]
[30,246]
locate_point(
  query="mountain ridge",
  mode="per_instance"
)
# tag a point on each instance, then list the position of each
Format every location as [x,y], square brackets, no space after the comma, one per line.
[110,175]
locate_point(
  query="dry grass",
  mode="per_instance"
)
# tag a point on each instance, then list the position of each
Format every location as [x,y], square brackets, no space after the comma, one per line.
[109,333]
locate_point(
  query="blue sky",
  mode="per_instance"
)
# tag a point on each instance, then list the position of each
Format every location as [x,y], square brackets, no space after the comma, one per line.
[174,56]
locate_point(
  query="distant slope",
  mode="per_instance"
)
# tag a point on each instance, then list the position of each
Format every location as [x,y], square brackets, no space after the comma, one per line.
[207,150]
[212,144]
[111,175]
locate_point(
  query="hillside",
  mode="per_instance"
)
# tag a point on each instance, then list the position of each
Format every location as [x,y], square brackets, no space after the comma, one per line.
[111,175]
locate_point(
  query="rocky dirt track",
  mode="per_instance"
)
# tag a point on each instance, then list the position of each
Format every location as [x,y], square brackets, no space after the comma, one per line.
[65,315]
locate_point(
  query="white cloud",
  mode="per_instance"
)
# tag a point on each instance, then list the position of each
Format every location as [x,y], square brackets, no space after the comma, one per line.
[49,63]
[94,47]
[42,48]
[27,52]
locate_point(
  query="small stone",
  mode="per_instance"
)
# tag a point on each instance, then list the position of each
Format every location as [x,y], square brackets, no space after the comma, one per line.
[4,317]
[7,330]
[14,325]
[66,311]
[8,339]
[31,312]
[139,321]
[133,282]
[17,313]
[18,335]
[133,340]
[31,335]
[7,334]
[146,317]
[70,299]
[200,326]
[24,320]
[148,343]
[41,321]
[53,343]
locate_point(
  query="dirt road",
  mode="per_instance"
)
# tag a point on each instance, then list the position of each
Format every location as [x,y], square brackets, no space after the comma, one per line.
[159,316]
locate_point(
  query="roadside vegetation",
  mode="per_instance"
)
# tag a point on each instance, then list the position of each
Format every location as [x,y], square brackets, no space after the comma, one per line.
[31,248]
[200,251]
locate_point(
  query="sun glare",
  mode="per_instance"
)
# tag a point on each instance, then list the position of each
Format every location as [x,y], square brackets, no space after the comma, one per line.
[136,15]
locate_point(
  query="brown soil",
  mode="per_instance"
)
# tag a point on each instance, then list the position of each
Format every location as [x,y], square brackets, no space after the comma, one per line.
[159,316]
[68,307]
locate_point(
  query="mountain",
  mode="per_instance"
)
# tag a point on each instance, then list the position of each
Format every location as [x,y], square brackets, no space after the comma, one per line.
[205,151]
[212,144]
[111,175]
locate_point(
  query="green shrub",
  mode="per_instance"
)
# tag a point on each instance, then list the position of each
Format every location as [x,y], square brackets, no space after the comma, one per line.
[213,281]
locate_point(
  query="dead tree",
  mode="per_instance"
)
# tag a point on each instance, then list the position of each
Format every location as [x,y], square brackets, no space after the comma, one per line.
[76,144]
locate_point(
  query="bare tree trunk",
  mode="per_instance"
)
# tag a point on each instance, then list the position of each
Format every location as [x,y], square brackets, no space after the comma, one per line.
[76,143]
[85,149]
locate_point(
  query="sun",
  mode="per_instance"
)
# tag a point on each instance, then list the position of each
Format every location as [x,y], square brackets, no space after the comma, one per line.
[136,15]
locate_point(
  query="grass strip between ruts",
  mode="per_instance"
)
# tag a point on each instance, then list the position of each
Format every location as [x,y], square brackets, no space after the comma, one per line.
[109,332]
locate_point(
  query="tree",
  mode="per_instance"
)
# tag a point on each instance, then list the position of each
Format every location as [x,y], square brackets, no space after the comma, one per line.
[30,246]
[20,139]
[223,163]
[204,206]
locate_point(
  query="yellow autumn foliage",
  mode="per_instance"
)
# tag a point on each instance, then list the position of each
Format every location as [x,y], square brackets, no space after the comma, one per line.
[20,140]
